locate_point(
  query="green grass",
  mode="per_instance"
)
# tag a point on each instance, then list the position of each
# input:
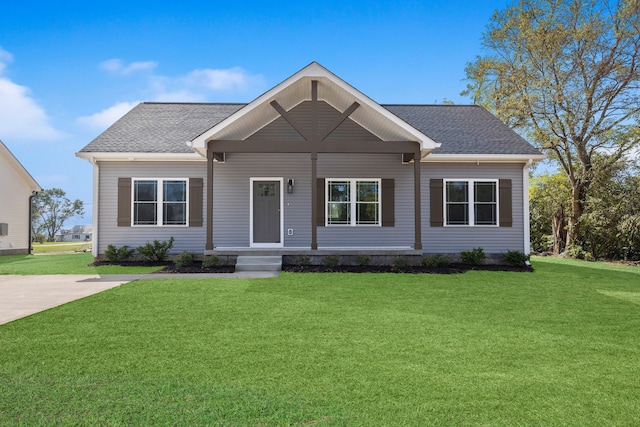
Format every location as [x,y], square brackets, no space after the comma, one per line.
[53,247]
[62,264]
[555,347]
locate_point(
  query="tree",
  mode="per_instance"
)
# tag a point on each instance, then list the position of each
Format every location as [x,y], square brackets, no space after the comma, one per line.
[51,209]
[550,201]
[611,224]
[566,74]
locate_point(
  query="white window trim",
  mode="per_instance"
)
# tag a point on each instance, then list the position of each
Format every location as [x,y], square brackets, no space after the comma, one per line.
[471,202]
[159,202]
[353,184]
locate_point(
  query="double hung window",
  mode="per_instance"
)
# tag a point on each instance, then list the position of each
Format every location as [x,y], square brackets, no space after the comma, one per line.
[353,201]
[471,202]
[159,202]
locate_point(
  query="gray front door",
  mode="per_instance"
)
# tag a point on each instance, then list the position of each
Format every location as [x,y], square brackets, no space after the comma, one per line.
[266,212]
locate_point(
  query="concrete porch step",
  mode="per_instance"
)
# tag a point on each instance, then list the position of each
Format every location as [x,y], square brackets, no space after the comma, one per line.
[259,263]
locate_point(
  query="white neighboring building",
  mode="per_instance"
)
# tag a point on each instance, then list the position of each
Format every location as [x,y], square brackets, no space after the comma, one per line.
[79,233]
[17,187]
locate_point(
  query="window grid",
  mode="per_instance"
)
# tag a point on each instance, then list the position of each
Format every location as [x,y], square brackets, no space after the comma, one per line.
[471,202]
[160,202]
[353,202]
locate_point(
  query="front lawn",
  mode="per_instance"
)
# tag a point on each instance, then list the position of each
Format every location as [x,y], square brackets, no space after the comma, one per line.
[77,263]
[555,347]
[60,247]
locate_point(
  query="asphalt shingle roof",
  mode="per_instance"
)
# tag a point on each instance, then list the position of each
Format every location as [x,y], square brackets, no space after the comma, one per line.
[166,127]
[463,129]
[152,127]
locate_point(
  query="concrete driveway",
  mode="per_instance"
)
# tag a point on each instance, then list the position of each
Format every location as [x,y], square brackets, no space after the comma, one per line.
[21,296]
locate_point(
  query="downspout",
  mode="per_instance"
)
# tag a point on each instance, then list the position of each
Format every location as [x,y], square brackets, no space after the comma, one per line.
[33,195]
[525,198]
[96,205]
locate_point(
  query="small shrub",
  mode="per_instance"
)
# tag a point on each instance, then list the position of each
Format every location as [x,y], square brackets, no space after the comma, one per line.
[302,260]
[156,251]
[576,251]
[210,261]
[331,260]
[121,254]
[401,264]
[474,257]
[363,260]
[515,257]
[185,259]
[435,261]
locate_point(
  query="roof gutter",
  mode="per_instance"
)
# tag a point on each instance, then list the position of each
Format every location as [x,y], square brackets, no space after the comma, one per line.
[139,157]
[483,158]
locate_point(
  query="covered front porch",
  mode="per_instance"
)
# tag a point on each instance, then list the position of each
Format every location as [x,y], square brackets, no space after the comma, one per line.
[316,115]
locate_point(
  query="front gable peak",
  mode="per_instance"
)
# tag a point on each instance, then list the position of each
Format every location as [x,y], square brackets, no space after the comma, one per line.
[313,83]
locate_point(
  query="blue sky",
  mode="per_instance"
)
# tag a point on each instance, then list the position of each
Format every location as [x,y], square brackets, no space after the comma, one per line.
[69,69]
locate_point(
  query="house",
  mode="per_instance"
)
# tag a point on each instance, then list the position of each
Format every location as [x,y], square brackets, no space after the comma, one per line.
[17,189]
[311,165]
[78,234]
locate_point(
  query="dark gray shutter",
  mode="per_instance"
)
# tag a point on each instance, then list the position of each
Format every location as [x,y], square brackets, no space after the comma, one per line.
[388,203]
[195,202]
[124,202]
[505,208]
[320,202]
[437,210]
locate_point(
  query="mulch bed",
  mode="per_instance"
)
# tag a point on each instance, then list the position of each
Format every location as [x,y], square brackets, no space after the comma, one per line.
[170,267]
[198,268]
[454,268]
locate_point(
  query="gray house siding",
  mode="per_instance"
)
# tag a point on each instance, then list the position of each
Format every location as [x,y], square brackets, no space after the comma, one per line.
[231,201]
[454,239]
[371,166]
[186,238]
[232,198]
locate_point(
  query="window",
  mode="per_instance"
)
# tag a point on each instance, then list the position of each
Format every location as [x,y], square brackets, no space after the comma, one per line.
[353,201]
[471,202]
[159,202]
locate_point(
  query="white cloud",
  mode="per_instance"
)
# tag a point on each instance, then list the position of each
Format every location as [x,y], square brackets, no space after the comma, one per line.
[22,117]
[117,66]
[232,79]
[108,116]
[201,84]
[5,59]
[196,86]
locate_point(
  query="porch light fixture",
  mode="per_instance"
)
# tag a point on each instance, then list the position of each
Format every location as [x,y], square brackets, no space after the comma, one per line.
[290,183]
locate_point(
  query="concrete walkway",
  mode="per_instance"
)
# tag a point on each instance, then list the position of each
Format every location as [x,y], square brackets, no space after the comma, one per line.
[22,296]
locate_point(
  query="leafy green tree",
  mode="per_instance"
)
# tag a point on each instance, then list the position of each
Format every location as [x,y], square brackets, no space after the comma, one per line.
[51,209]
[550,205]
[611,225]
[566,74]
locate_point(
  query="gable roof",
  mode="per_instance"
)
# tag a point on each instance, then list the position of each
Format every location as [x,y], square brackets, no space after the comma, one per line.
[464,129]
[331,89]
[181,130]
[17,166]
[152,127]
